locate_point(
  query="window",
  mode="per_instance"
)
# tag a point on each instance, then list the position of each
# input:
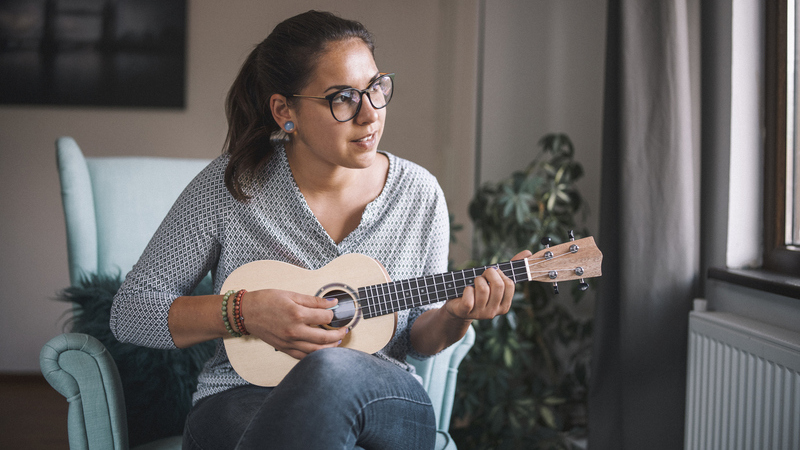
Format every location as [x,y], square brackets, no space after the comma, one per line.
[782,149]
[792,163]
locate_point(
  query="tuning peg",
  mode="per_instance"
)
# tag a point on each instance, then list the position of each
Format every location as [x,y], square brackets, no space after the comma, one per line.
[553,275]
[548,256]
[571,235]
[583,284]
[546,243]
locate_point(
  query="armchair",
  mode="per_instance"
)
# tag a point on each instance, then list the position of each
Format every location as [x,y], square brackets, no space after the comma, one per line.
[112,206]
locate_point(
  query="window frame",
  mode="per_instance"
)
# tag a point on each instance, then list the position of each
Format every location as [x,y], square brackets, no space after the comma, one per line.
[777,256]
[779,273]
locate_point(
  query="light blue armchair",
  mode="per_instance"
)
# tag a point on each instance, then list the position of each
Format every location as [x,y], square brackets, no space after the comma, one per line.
[112,206]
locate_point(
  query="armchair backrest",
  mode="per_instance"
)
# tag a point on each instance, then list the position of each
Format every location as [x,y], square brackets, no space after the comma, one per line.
[113,205]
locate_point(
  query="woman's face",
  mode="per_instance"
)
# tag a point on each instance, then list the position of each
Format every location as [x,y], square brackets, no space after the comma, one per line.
[352,144]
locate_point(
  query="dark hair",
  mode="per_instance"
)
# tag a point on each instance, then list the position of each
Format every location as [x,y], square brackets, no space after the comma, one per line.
[281,64]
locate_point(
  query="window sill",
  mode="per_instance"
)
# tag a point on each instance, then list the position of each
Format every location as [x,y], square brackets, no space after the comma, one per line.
[762,280]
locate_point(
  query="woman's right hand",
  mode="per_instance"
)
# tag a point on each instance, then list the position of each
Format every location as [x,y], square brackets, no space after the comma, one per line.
[290,322]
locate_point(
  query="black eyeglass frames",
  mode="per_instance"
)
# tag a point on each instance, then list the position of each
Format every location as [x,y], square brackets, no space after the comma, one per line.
[346,103]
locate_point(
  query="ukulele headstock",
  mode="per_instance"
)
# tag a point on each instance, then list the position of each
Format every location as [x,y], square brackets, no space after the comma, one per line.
[572,260]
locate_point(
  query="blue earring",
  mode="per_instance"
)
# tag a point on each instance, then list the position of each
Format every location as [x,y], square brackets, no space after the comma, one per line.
[288,126]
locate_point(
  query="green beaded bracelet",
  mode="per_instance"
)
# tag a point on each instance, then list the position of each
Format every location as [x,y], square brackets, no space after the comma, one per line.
[227,322]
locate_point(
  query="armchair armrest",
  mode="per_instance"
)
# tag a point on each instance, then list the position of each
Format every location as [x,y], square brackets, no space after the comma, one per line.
[80,368]
[439,375]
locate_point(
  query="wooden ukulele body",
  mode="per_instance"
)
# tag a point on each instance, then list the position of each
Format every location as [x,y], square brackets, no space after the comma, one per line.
[261,364]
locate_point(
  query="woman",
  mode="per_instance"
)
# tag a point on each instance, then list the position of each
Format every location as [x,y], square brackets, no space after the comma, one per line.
[301,181]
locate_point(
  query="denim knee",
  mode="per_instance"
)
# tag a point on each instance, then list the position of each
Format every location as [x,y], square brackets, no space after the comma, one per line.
[342,369]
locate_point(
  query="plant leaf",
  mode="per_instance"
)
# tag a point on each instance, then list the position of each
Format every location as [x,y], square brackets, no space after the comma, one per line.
[548,417]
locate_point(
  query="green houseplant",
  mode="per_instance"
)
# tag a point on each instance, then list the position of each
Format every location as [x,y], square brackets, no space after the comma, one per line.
[524,383]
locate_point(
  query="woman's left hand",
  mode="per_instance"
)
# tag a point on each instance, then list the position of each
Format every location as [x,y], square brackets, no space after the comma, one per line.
[490,296]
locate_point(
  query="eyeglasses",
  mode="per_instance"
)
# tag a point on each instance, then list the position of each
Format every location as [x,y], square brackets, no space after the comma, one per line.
[346,103]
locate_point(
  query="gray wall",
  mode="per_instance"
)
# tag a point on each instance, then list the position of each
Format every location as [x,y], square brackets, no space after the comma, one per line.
[544,66]
[543,73]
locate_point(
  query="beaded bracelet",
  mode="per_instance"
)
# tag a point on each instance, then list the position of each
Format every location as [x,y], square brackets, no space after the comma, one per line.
[237,312]
[228,327]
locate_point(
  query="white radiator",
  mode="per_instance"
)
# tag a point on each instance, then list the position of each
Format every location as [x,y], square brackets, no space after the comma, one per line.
[743,384]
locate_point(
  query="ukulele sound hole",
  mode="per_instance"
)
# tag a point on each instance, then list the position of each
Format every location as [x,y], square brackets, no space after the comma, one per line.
[344,314]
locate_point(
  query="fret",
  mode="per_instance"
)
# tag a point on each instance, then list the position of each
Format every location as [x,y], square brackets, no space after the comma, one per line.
[404,294]
[470,279]
[378,300]
[460,282]
[387,296]
[516,270]
[475,273]
[457,278]
[370,300]
[413,284]
[395,296]
[391,297]
[448,286]
[376,308]
[436,284]
[460,278]
[424,289]
[503,267]
[522,270]
[365,301]
[384,306]
[398,300]
[412,291]
[373,290]
[391,294]
[511,271]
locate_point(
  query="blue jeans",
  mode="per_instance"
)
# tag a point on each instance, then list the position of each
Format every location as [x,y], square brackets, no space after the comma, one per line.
[332,399]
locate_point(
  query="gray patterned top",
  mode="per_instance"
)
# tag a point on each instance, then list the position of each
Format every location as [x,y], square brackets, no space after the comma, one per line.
[406,228]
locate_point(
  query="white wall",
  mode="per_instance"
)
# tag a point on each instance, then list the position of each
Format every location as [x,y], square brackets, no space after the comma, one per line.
[431,45]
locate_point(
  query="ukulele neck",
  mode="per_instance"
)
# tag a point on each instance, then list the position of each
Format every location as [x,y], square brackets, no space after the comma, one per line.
[387,298]
[574,260]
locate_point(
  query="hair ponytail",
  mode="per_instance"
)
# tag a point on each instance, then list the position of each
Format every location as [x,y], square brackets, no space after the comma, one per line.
[281,64]
[249,129]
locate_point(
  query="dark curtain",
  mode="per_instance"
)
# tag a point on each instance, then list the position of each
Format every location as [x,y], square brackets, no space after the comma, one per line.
[649,229]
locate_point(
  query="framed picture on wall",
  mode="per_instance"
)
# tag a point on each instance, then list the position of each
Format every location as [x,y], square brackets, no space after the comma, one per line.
[118,53]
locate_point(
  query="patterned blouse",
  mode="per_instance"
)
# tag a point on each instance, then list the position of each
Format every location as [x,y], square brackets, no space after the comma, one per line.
[405,228]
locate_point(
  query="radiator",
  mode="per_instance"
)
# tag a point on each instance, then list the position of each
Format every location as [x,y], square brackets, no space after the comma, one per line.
[743,384]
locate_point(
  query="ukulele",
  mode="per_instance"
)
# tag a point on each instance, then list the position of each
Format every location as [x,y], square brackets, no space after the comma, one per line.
[369,300]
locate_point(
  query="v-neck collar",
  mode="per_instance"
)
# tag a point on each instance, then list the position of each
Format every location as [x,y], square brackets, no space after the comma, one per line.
[368,217]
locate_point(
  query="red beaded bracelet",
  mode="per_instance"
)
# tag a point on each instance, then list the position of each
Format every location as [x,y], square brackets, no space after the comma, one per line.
[237,312]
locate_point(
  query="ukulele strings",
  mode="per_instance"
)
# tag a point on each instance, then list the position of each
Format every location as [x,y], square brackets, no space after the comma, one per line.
[542,260]
[402,294]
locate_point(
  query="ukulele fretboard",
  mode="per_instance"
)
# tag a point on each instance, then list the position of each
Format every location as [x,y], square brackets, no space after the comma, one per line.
[387,298]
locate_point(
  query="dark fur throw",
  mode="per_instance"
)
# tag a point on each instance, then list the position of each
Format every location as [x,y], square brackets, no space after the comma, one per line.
[158,384]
